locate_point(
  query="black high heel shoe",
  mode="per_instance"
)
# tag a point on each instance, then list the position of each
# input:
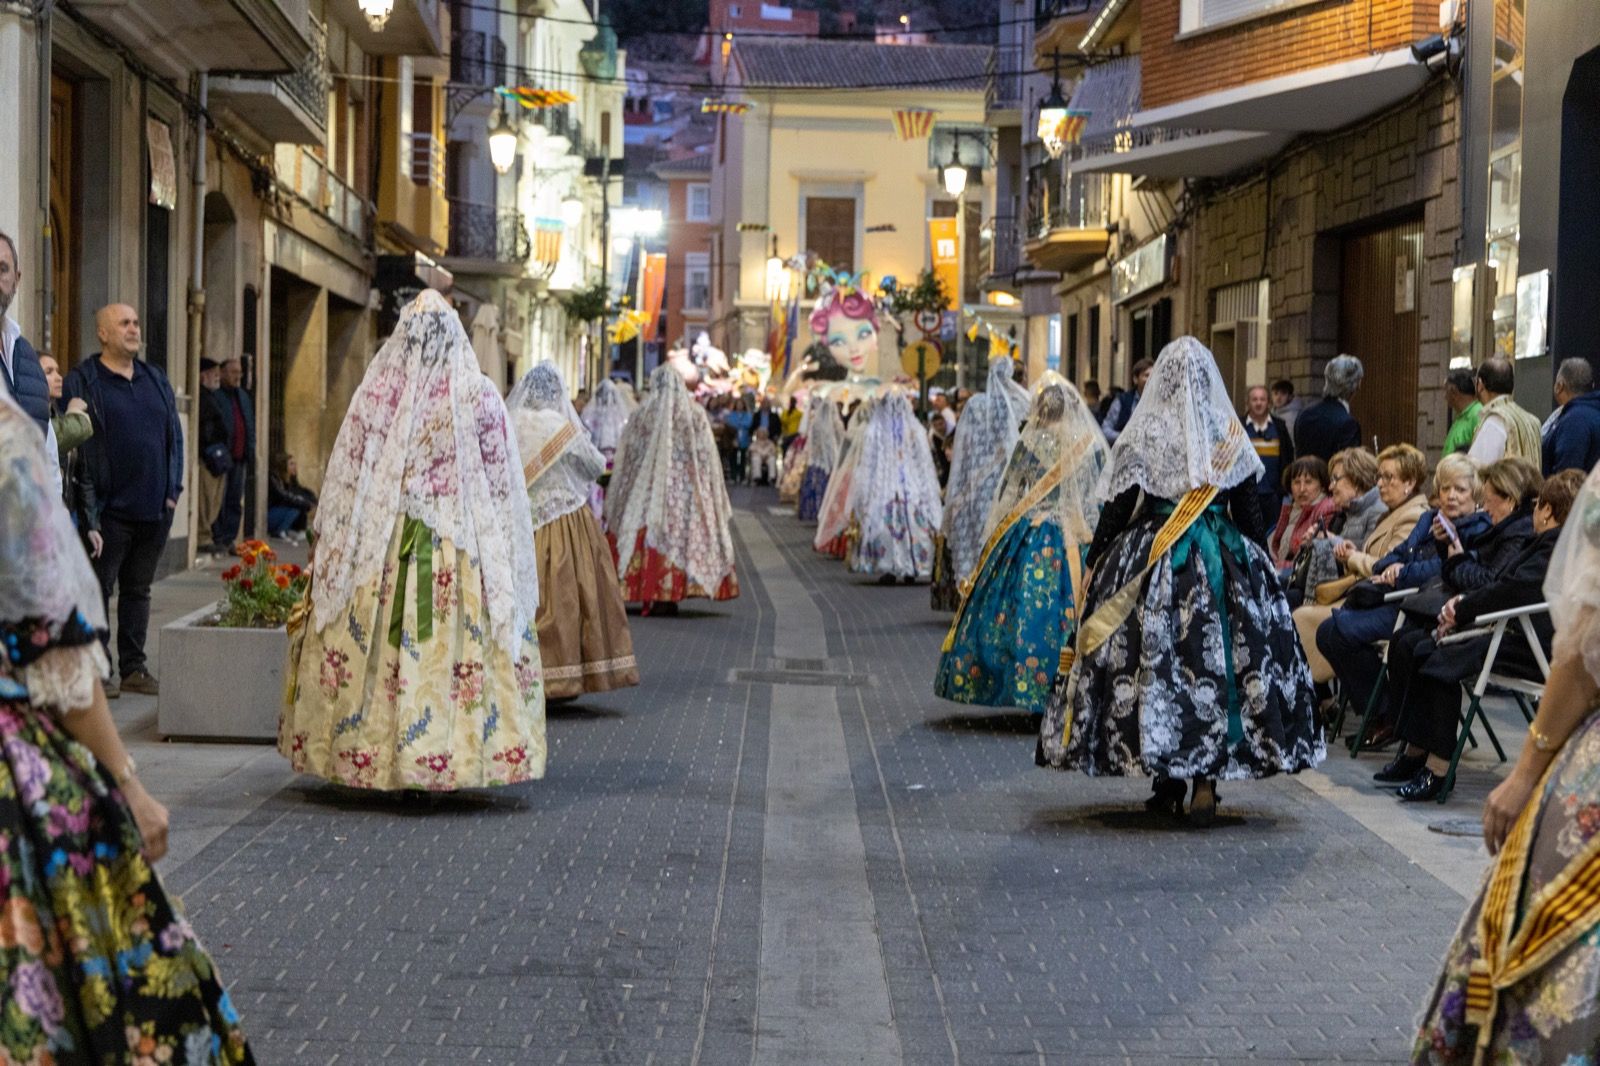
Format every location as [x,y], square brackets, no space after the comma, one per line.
[1166,794]
[1203,815]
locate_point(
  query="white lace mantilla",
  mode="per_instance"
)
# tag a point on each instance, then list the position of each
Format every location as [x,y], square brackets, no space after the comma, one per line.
[1572,584]
[540,412]
[1184,433]
[986,433]
[427,437]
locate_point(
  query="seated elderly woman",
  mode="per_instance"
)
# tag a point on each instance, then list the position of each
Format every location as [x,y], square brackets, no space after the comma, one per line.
[1357,509]
[1426,677]
[1306,513]
[1401,473]
[1350,637]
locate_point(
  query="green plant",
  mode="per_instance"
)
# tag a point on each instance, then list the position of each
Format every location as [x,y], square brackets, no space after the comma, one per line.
[928,294]
[262,592]
[587,304]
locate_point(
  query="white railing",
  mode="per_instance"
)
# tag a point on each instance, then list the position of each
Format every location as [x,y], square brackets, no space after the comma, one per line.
[427,160]
[330,197]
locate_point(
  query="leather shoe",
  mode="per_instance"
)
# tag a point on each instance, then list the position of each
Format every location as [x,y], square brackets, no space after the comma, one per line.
[1425,786]
[1380,736]
[142,682]
[1401,769]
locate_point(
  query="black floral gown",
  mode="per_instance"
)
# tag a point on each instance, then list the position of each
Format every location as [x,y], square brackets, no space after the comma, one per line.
[1206,678]
[97,965]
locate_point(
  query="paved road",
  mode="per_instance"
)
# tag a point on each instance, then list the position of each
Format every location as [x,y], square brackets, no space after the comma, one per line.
[783,849]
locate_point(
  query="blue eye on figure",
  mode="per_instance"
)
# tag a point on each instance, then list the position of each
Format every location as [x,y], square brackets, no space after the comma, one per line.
[838,341]
[864,333]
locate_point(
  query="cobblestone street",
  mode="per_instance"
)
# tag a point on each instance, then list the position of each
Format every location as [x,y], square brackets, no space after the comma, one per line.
[782,848]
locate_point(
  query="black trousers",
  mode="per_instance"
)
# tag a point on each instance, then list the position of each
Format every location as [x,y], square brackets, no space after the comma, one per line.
[126,567]
[225,530]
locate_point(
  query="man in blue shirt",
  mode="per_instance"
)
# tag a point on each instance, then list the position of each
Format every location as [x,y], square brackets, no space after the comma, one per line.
[135,463]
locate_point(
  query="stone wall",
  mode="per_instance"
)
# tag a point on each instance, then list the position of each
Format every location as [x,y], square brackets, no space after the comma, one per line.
[1399,164]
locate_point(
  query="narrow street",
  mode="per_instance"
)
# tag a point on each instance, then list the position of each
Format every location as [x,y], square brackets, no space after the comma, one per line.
[781,848]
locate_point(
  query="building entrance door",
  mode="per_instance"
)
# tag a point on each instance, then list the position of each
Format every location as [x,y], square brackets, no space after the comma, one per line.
[63,228]
[1380,285]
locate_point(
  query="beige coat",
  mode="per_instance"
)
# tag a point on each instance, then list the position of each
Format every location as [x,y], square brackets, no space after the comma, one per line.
[1391,532]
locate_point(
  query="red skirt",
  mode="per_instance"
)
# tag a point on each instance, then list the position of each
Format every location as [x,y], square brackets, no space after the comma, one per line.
[652,579]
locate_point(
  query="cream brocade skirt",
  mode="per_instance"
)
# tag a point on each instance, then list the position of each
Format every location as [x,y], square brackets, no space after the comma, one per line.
[409,690]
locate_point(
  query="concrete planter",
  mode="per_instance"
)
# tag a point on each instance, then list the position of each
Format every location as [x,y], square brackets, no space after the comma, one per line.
[220,684]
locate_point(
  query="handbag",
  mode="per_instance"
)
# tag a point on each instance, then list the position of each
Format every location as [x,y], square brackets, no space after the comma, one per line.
[217,459]
[1331,592]
[1425,604]
[1366,594]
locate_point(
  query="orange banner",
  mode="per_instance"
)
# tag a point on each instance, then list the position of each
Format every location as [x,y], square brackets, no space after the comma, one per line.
[944,242]
[652,287]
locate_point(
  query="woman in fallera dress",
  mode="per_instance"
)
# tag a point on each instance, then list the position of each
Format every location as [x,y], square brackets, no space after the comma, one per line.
[894,503]
[97,963]
[584,642]
[1521,980]
[415,664]
[667,510]
[1005,643]
[824,436]
[1185,666]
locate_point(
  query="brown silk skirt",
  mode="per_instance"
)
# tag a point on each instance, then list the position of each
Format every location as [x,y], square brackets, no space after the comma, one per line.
[583,626]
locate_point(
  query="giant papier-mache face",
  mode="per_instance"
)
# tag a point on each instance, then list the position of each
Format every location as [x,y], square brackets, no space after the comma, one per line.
[848,325]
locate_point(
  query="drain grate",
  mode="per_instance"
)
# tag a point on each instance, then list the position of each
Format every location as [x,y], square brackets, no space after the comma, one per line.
[819,678]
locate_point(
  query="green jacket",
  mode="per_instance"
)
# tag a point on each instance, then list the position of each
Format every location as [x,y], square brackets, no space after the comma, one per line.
[72,429]
[1463,429]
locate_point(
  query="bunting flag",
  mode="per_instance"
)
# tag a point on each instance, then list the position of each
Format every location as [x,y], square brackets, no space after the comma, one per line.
[547,240]
[533,99]
[1072,127]
[628,325]
[972,331]
[913,123]
[709,106]
[1068,130]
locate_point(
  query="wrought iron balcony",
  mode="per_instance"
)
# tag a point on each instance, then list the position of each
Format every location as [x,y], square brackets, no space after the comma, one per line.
[1046,10]
[482,231]
[311,82]
[1005,246]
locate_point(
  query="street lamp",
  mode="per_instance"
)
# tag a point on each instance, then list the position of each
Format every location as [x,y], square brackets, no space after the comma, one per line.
[572,212]
[1053,114]
[377,12]
[777,275]
[953,174]
[502,144]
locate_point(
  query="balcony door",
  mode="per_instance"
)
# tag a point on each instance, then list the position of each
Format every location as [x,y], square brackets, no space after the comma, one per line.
[1380,287]
[64,264]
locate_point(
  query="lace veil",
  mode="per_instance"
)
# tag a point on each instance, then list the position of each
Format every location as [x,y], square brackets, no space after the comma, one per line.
[824,431]
[1184,433]
[986,433]
[895,482]
[1572,584]
[426,436]
[1060,428]
[541,413]
[667,480]
[44,573]
[606,414]
[833,516]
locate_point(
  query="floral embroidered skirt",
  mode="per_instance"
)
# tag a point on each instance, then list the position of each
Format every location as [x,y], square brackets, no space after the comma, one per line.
[1205,678]
[1551,1015]
[410,690]
[1007,642]
[813,487]
[652,578]
[584,641]
[943,592]
[97,963]
[900,543]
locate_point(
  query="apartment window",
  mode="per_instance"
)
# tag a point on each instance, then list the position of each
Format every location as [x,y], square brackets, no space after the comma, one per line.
[1197,15]
[699,204]
[830,227]
[696,281]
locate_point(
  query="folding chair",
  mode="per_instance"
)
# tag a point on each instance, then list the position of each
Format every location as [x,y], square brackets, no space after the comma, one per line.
[1383,676]
[1523,691]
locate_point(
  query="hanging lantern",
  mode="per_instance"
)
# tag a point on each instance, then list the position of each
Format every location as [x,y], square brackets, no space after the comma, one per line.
[1053,122]
[502,145]
[377,12]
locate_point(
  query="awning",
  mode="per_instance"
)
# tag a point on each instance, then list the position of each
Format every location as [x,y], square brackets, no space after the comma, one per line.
[1165,154]
[1322,98]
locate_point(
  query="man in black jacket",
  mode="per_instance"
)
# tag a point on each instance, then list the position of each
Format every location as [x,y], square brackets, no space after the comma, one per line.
[1431,675]
[1328,426]
[239,421]
[135,462]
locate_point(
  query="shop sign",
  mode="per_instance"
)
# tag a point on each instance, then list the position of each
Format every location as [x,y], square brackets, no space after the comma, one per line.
[1140,270]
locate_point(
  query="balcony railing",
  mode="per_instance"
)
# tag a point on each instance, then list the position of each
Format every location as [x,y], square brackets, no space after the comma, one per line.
[1045,10]
[1124,138]
[1080,201]
[477,58]
[482,231]
[1007,67]
[310,177]
[1005,246]
[311,83]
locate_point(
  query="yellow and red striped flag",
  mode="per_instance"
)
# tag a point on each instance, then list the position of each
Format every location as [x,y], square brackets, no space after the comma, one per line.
[913,123]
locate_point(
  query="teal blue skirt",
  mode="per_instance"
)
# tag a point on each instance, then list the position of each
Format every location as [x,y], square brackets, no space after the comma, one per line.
[1008,640]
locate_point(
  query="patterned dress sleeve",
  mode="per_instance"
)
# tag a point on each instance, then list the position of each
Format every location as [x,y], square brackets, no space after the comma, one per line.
[58,664]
